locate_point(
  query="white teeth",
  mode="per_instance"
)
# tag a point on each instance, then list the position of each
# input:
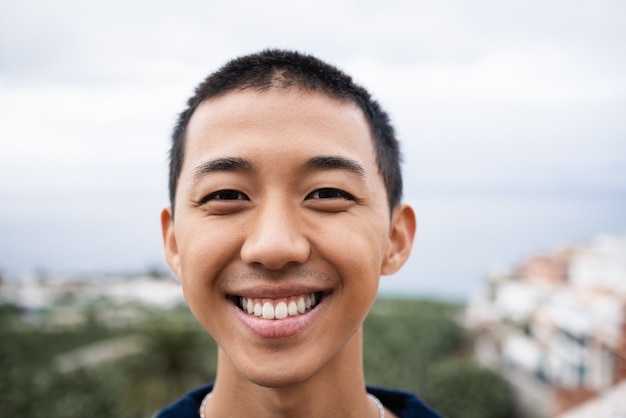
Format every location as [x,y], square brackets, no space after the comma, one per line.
[301,305]
[283,309]
[292,308]
[268,311]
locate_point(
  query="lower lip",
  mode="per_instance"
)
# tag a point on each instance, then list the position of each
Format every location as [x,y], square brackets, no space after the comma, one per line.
[280,328]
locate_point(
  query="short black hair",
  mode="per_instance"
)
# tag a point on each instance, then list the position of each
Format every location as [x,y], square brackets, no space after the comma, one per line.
[273,68]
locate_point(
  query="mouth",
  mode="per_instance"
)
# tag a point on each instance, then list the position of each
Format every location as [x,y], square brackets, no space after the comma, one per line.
[276,309]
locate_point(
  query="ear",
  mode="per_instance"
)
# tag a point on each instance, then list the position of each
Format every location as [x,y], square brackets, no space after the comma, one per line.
[401,234]
[170,246]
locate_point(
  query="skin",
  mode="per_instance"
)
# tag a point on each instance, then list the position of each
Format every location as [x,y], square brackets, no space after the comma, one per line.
[280,195]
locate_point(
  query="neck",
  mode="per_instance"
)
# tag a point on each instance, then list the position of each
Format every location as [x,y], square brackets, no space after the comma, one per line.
[337,388]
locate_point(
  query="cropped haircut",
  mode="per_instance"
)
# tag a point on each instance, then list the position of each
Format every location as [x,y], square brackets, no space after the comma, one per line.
[274,68]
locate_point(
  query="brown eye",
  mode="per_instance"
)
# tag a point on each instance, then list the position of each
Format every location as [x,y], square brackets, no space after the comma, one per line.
[224,195]
[329,193]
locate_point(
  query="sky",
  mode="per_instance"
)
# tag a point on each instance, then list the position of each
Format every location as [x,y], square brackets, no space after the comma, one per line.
[510,114]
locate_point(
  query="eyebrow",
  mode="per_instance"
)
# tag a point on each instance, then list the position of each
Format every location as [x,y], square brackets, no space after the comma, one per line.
[221,164]
[332,162]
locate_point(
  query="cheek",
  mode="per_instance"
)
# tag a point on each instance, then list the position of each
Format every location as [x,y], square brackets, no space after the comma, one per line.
[356,249]
[366,238]
[205,244]
[204,255]
[200,266]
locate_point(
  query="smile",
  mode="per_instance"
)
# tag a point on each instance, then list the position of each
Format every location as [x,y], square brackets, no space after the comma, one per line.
[279,308]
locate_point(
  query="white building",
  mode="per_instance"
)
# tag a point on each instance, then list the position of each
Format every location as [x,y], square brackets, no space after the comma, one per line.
[559,318]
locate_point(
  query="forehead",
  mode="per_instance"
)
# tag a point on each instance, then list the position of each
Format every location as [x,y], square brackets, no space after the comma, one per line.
[281,121]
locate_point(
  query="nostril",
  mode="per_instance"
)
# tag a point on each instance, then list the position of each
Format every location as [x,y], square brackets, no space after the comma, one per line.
[276,252]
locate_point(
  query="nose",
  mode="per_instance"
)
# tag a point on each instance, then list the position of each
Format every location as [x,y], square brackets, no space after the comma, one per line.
[275,240]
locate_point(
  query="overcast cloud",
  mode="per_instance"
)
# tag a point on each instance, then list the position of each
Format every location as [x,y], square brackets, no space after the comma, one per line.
[490,98]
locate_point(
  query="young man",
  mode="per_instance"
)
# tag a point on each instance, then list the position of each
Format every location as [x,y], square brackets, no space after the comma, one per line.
[285,190]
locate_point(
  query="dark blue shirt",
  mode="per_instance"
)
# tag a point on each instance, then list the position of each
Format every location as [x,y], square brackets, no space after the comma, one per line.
[402,404]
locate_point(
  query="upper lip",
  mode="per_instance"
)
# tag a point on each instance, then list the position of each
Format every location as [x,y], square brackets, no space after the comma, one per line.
[276,291]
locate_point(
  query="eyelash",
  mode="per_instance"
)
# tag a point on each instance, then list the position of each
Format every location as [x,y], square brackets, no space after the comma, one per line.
[216,196]
[338,194]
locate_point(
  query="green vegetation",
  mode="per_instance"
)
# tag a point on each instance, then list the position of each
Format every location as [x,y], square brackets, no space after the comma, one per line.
[410,344]
[417,345]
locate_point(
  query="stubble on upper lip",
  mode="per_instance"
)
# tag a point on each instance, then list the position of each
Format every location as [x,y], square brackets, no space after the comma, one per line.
[258,283]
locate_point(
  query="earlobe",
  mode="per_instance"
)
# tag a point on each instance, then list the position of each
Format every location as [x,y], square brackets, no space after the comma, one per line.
[401,234]
[170,246]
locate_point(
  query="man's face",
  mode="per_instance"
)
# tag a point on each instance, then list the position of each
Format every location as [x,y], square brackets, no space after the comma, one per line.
[282,230]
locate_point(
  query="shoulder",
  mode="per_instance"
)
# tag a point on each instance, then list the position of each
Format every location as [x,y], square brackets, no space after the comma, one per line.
[187,406]
[403,404]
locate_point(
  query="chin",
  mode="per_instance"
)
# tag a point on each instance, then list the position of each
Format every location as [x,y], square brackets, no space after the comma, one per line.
[271,368]
[273,377]
[276,382]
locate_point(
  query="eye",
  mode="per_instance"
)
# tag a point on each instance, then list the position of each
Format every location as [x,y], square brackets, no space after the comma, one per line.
[329,193]
[330,200]
[223,196]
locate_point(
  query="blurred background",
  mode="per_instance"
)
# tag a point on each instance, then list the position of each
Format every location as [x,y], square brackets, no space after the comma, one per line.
[511,117]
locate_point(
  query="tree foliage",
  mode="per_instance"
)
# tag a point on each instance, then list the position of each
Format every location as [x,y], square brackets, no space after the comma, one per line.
[417,345]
